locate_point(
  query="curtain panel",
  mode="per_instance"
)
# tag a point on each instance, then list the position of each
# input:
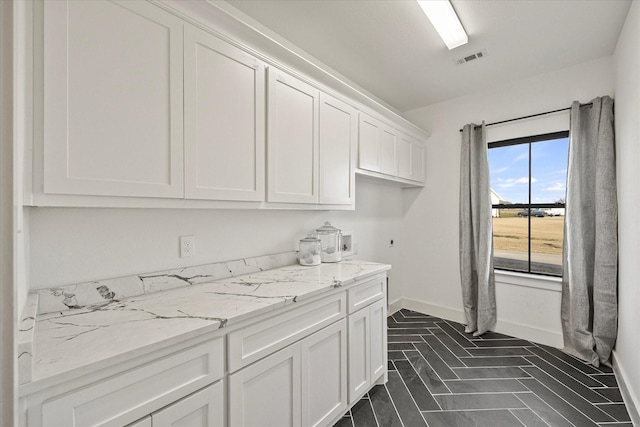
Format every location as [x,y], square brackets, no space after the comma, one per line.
[476,232]
[590,256]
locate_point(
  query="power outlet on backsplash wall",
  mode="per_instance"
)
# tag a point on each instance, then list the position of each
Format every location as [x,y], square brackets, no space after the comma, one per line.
[347,244]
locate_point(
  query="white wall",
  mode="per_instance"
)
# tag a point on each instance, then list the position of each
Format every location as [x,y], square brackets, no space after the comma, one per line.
[627,110]
[73,245]
[431,219]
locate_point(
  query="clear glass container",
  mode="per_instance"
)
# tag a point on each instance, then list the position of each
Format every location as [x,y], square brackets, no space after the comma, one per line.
[309,250]
[331,241]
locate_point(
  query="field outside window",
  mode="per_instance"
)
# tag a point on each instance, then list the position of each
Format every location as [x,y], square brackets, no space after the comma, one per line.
[528,186]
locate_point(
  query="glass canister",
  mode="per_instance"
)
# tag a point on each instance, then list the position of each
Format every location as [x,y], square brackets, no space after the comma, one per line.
[331,241]
[309,250]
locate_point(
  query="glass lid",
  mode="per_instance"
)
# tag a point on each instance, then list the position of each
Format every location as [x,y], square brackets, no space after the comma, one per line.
[327,228]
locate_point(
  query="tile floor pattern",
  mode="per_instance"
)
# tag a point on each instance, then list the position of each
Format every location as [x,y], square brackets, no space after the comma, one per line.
[440,376]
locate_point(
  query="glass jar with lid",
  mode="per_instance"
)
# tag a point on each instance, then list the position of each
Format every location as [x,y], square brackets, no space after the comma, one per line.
[331,241]
[309,250]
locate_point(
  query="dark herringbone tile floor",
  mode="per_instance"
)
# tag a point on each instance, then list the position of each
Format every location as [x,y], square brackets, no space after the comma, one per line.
[440,376]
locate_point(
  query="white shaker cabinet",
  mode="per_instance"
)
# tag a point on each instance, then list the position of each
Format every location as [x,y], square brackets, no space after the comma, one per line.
[369,143]
[367,346]
[304,384]
[224,120]
[377,146]
[113,111]
[267,393]
[292,139]
[201,409]
[410,158]
[324,375]
[338,139]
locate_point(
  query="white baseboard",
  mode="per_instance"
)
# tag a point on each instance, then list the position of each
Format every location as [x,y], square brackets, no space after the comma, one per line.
[394,306]
[631,401]
[527,332]
[424,307]
[530,333]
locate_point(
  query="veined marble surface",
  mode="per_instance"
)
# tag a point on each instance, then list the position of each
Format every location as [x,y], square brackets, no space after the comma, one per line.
[102,292]
[26,329]
[73,342]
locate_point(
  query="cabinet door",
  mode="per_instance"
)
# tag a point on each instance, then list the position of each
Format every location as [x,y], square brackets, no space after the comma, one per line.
[338,130]
[369,143]
[113,118]
[324,375]
[378,342]
[292,140]
[224,120]
[359,355]
[267,393]
[204,408]
[388,162]
[404,145]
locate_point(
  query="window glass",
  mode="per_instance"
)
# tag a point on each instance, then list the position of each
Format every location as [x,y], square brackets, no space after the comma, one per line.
[528,186]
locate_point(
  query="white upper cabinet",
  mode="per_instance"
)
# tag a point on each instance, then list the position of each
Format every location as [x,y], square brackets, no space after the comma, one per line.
[113,119]
[388,162]
[369,143]
[389,153]
[224,120]
[338,139]
[377,146]
[292,139]
[410,158]
[404,157]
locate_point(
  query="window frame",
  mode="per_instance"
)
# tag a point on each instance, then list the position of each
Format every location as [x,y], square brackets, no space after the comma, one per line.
[519,141]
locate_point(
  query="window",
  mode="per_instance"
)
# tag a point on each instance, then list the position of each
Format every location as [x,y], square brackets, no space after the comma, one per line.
[528,185]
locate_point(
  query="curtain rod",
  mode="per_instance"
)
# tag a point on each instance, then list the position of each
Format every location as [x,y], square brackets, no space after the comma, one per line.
[532,115]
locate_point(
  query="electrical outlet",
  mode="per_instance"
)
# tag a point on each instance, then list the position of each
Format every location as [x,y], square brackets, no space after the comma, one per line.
[347,244]
[187,246]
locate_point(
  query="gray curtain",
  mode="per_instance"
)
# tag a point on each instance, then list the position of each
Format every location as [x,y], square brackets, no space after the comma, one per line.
[476,233]
[589,282]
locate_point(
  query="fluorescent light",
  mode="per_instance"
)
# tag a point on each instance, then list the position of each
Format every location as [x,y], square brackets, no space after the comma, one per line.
[445,21]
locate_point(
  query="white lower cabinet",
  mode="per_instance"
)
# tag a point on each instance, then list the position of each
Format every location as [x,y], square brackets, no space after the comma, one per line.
[302,367]
[304,384]
[267,393]
[367,348]
[201,409]
[324,375]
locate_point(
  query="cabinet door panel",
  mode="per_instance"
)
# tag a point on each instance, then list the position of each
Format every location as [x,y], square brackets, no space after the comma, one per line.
[378,345]
[337,151]
[292,142]
[388,163]
[224,120]
[112,99]
[267,393]
[369,143]
[130,395]
[404,157]
[324,375]
[359,355]
[204,408]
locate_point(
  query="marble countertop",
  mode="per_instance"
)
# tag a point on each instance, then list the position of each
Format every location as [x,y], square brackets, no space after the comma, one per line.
[70,343]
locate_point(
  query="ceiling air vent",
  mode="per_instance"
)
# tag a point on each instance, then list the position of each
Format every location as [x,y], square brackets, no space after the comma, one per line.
[472,57]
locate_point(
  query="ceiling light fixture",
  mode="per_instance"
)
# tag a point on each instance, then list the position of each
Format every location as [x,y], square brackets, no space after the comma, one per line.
[445,21]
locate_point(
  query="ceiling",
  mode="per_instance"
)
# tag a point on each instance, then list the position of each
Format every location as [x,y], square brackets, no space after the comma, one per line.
[389,48]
